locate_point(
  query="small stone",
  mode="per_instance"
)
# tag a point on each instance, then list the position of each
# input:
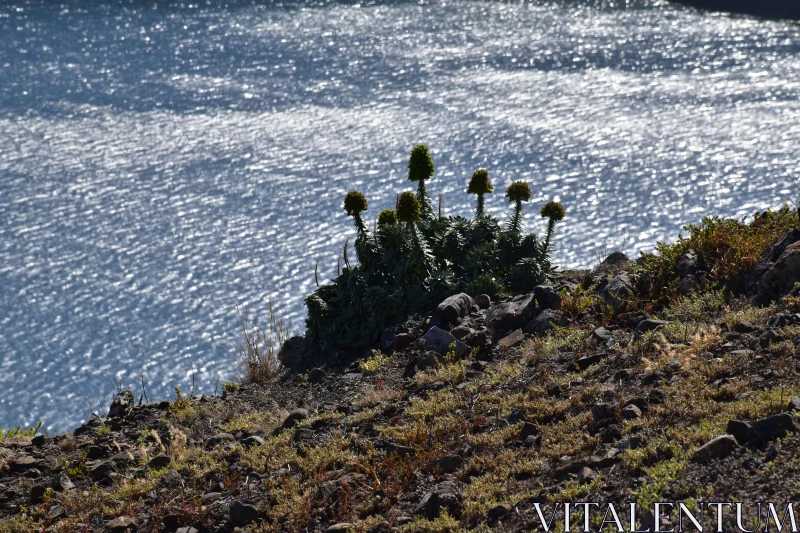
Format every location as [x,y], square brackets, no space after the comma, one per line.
[717,448]
[102,472]
[553,389]
[585,474]
[186,529]
[651,324]
[601,334]
[497,513]
[56,512]
[603,411]
[547,297]
[545,321]
[342,526]
[585,362]
[448,465]
[252,440]
[122,524]
[209,497]
[512,339]
[316,375]
[744,327]
[158,462]
[294,418]
[483,301]
[528,429]
[122,404]
[794,404]
[64,484]
[439,341]
[739,429]
[773,427]
[38,440]
[454,307]
[220,438]
[402,341]
[631,412]
[37,493]
[241,514]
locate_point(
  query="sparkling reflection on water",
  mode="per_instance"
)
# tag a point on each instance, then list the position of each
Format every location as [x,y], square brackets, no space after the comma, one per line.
[162,165]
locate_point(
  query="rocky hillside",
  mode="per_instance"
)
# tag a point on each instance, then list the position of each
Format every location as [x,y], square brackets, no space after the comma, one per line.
[633,382]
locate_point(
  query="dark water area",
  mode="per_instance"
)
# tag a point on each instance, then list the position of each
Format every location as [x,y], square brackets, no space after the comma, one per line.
[164,163]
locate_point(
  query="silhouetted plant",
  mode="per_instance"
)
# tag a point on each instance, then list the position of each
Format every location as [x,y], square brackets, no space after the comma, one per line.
[354,204]
[387,219]
[480,185]
[421,168]
[413,260]
[554,212]
[517,192]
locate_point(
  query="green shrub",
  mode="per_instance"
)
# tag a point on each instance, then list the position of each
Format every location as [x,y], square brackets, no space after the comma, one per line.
[414,259]
[727,248]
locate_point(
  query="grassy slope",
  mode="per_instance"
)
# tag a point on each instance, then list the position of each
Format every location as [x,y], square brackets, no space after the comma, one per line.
[469,408]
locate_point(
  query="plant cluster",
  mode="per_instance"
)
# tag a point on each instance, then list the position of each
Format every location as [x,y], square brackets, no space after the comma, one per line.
[414,258]
[727,248]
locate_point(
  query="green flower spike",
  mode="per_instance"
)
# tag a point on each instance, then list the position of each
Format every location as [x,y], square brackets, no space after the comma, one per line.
[354,204]
[408,207]
[518,192]
[480,185]
[421,168]
[387,218]
[555,212]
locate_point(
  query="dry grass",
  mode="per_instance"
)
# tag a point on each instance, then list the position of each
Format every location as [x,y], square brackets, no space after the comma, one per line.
[258,351]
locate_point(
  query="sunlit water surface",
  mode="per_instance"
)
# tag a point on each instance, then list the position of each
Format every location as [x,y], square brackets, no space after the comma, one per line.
[161,166]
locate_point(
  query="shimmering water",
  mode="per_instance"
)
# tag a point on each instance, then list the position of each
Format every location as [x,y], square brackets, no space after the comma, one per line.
[161,166]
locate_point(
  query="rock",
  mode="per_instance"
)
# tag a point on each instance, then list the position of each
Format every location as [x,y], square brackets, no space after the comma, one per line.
[603,335]
[585,362]
[252,440]
[739,429]
[158,462]
[616,290]
[483,301]
[510,315]
[316,375]
[439,341]
[603,411]
[327,491]
[744,327]
[631,412]
[769,257]
[122,404]
[687,264]
[455,307]
[121,524]
[38,440]
[651,324]
[657,397]
[553,389]
[102,472]
[497,513]
[64,484]
[292,352]
[37,493]
[545,321]
[512,339]
[22,464]
[445,495]
[220,438]
[547,297]
[767,338]
[294,418]
[399,449]
[171,478]
[403,341]
[55,513]
[585,474]
[772,427]
[448,464]
[717,448]
[528,429]
[794,404]
[241,514]
[781,277]
[186,529]
[342,526]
